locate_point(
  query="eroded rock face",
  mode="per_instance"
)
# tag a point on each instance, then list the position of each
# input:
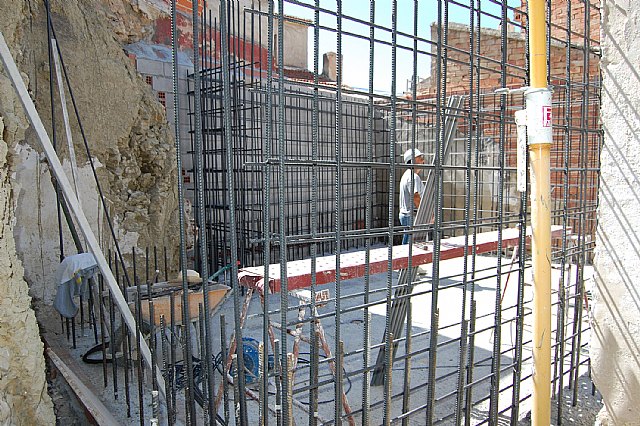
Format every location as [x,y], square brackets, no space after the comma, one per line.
[23,387]
[133,151]
[129,138]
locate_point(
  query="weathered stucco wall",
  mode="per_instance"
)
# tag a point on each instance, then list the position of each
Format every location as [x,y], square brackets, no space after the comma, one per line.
[23,387]
[615,349]
[125,125]
[295,45]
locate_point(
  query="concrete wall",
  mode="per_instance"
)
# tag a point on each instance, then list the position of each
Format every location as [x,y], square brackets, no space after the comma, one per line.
[295,45]
[615,351]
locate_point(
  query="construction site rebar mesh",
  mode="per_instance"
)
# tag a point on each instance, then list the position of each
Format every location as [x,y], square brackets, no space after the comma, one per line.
[313,311]
[316,165]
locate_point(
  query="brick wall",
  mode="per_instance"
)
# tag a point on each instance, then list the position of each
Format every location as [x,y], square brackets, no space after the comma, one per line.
[578,10]
[576,144]
[186,6]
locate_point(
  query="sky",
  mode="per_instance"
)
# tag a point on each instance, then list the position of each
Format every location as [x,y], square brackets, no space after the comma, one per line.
[355,51]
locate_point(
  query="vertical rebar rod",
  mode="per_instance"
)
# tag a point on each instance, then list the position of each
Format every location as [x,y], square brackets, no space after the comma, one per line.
[432,372]
[208,417]
[172,350]
[266,181]
[409,314]
[406,390]
[313,368]
[181,216]
[278,380]
[338,148]
[366,316]
[54,138]
[284,302]
[112,346]
[152,340]
[81,304]
[339,378]
[464,327]
[139,365]
[165,369]
[476,162]
[73,331]
[103,331]
[470,364]
[582,231]
[497,333]
[461,367]
[92,309]
[520,315]
[236,390]
[441,76]
[562,305]
[232,214]
[391,188]
[223,357]
[313,395]
[261,389]
[126,347]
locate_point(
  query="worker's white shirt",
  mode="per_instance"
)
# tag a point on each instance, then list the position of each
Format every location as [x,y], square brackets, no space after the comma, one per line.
[406,194]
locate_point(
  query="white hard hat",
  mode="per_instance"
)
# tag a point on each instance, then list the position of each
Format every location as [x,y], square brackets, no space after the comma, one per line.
[408,157]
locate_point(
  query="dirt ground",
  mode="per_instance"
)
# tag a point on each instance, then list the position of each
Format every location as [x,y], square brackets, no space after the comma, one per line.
[584,413]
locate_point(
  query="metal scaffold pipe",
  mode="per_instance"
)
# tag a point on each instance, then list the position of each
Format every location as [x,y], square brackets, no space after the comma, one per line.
[539,112]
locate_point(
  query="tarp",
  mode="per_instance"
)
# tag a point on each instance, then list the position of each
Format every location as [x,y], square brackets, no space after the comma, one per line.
[72,278]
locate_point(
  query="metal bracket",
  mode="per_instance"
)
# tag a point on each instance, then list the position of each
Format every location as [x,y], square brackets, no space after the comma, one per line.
[539,115]
[509,91]
[521,157]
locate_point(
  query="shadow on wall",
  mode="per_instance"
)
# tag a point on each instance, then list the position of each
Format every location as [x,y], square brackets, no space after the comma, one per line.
[616,355]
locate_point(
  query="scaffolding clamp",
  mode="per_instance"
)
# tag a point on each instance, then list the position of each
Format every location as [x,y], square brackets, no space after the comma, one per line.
[539,115]
[510,91]
[533,125]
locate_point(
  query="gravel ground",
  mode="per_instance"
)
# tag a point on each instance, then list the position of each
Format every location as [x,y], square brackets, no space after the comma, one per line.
[584,413]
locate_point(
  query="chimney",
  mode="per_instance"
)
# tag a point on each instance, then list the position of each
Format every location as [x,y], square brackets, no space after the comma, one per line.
[329,66]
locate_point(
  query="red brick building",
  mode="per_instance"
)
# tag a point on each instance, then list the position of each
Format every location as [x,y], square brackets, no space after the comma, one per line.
[498,59]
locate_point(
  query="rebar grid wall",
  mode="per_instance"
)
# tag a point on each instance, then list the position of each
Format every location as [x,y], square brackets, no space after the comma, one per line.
[249,154]
[308,169]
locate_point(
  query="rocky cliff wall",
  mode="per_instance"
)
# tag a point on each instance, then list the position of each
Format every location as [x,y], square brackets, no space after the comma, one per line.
[133,149]
[128,135]
[23,387]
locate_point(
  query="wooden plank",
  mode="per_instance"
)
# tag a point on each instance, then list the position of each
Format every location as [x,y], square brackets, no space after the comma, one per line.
[352,265]
[98,412]
[72,201]
[162,304]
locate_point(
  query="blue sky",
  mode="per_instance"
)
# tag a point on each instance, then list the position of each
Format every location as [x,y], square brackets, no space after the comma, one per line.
[356,51]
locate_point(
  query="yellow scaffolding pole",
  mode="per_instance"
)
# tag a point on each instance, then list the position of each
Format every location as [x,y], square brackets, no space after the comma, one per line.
[539,112]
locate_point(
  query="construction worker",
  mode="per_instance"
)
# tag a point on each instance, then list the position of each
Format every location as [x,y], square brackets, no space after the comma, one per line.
[410,189]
